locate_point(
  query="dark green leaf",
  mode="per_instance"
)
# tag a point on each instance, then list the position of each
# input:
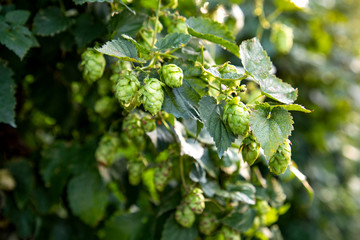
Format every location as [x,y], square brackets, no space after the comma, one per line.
[90,1]
[121,49]
[138,46]
[210,113]
[198,174]
[7,98]
[210,188]
[182,102]
[243,192]
[173,40]
[125,23]
[293,107]
[270,127]
[50,21]
[212,31]
[241,221]
[17,17]
[17,38]
[173,231]
[87,197]
[276,89]
[87,29]
[206,162]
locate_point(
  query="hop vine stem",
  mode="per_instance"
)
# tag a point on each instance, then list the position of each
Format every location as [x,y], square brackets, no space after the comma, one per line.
[156,25]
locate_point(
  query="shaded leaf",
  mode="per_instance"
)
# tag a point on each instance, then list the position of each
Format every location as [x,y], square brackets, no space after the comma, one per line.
[7,96]
[138,46]
[125,23]
[276,89]
[210,113]
[17,17]
[270,127]
[213,71]
[243,192]
[197,174]
[121,49]
[173,231]
[241,221]
[50,21]
[173,40]
[87,29]
[212,31]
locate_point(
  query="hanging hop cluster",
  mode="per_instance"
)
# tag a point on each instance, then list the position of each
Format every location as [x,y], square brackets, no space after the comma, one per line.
[162,175]
[107,149]
[136,167]
[281,159]
[172,75]
[148,123]
[93,64]
[132,125]
[236,116]
[152,95]
[126,87]
[208,223]
[251,149]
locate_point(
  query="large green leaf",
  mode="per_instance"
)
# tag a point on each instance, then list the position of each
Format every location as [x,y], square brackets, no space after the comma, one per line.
[182,102]
[121,49]
[276,89]
[173,231]
[173,40]
[242,191]
[87,197]
[50,21]
[211,114]
[139,47]
[7,98]
[212,31]
[17,38]
[87,29]
[241,220]
[17,17]
[294,107]
[270,126]
[125,23]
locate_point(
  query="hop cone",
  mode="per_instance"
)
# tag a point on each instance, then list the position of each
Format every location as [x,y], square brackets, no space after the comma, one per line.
[236,116]
[229,234]
[281,159]
[184,216]
[172,75]
[132,125]
[282,37]
[208,223]
[105,106]
[153,95]
[251,149]
[126,87]
[135,168]
[106,149]
[93,64]
[148,123]
[162,175]
[196,200]
[228,68]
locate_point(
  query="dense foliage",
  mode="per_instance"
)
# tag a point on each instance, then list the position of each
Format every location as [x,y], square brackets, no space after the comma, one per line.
[167,120]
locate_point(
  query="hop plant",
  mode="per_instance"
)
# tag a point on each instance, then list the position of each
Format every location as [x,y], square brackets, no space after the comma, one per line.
[148,123]
[93,64]
[135,168]
[152,95]
[162,175]
[107,148]
[251,149]
[172,75]
[208,223]
[132,125]
[229,234]
[282,37]
[281,159]
[195,200]
[236,116]
[126,87]
[184,216]
[226,69]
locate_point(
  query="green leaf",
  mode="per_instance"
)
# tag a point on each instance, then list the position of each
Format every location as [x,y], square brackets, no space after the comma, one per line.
[121,49]
[138,46]
[271,127]
[17,17]
[87,197]
[173,40]
[182,102]
[7,96]
[255,60]
[212,31]
[213,71]
[17,38]
[242,191]
[294,107]
[50,21]
[206,162]
[90,1]
[173,231]
[125,23]
[87,29]
[211,114]
[276,89]
[241,221]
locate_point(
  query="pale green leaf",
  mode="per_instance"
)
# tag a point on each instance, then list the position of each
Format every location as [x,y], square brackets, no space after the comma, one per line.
[212,31]
[7,96]
[121,49]
[211,114]
[271,127]
[50,21]
[276,89]
[242,192]
[87,197]
[17,17]
[294,107]
[138,46]
[173,231]
[173,40]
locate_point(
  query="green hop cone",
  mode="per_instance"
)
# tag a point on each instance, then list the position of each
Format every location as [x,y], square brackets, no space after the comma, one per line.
[135,169]
[184,216]
[282,37]
[132,125]
[195,200]
[148,123]
[236,116]
[178,25]
[229,234]
[262,207]
[93,64]
[208,223]
[152,95]
[162,175]
[105,106]
[107,148]
[126,87]
[281,159]
[226,70]
[172,75]
[251,149]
